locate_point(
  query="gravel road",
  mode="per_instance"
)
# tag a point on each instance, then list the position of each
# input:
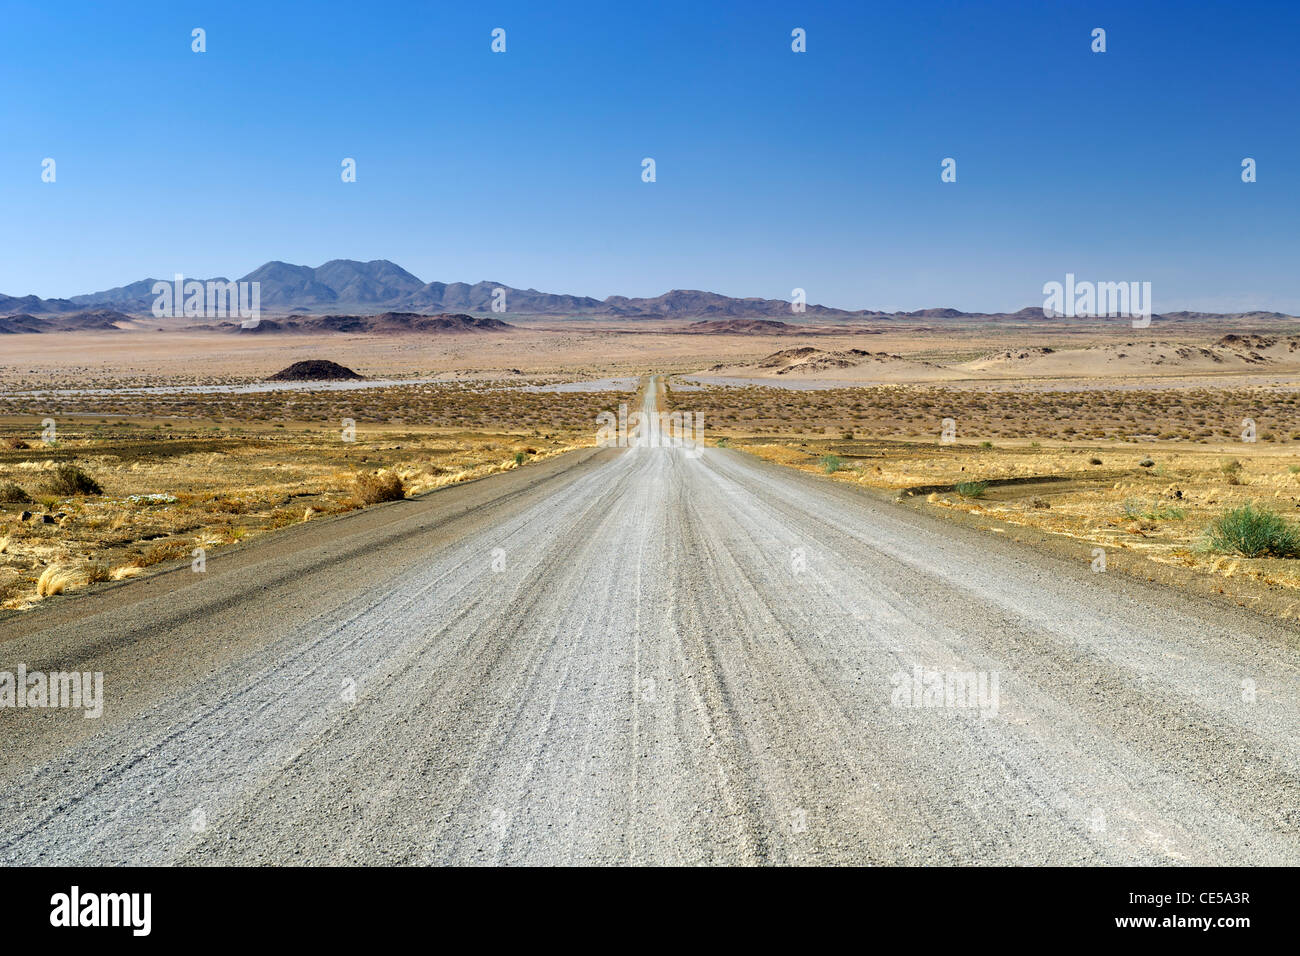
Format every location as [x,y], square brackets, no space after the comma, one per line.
[651,656]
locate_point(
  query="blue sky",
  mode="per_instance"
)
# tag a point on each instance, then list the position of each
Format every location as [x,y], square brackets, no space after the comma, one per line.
[774,169]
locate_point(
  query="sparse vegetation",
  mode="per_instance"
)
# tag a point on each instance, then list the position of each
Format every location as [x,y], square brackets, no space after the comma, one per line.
[230,466]
[971,489]
[13,495]
[1253,532]
[166,491]
[55,580]
[1134,508]
[1159,513]
[71,480]
[161,552]
[377,487]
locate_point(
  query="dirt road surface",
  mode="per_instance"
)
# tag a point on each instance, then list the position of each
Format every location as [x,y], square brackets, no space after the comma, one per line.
[650,655]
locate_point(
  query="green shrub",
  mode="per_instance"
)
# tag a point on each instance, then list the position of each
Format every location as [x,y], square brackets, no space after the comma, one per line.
[971,489]
[831,463]
[1253,532]
[71,480]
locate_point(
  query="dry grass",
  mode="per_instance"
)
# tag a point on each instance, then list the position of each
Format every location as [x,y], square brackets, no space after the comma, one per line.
[476,407]
[1188,415]
[11,494]
[1143,470]
[168,487]
[56,580]
[372,489]
[68,479]
[1159,511]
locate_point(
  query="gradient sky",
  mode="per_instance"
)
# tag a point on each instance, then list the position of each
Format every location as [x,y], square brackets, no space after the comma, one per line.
[775,169]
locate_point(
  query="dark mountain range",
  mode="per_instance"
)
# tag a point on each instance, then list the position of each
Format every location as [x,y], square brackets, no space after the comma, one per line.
[348,287]
[742,326]
[389,323]
[22,322]
[16,305]
[104,320]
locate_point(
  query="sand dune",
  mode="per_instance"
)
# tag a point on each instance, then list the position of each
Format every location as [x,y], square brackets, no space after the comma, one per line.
[1232,353]
[1229,354]
[849,365]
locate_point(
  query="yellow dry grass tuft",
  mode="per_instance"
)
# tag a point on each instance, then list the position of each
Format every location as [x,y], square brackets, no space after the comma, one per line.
[56,580]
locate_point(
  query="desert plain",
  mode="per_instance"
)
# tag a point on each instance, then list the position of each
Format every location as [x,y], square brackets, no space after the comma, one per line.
[127,450]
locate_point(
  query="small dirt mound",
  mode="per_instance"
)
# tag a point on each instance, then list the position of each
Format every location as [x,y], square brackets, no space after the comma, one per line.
[315,370]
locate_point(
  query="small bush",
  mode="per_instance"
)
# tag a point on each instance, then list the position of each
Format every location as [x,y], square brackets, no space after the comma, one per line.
[986,445]
[1094,461]
[520,458]
[371,489]
[163,551]
[1253,532]
[282,518]
[55,580]
[13,495]
[1231,469]
[71,480]
[230,506]
[971,489]
[831,463]
[1135,508]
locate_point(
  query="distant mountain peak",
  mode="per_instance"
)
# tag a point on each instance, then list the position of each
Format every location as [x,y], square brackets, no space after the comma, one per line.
[350,286]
